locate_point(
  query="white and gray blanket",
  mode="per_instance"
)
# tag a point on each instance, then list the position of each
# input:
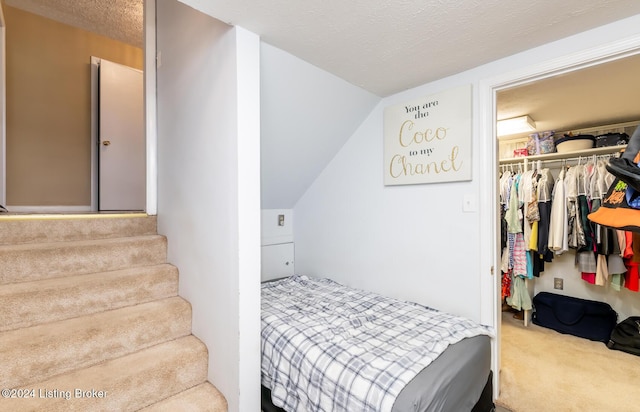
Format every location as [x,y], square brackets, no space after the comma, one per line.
[331,348]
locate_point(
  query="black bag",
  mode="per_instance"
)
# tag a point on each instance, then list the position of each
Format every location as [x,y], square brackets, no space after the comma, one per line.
[626,336]
[579,317]
[612,139]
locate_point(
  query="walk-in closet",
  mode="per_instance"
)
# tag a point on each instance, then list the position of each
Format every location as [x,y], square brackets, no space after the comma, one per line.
[554,266]
[594,101]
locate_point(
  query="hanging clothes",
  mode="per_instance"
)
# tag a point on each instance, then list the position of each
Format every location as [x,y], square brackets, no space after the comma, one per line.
[558,223]
[520,299]
[545,189]
[542,216]
[631,277]
[575,235]
[506,246]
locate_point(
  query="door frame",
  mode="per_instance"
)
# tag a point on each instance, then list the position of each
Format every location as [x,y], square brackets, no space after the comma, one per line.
[150,102]
[489,166]
[150,66]
[3,110]
[95,77]
[149,50]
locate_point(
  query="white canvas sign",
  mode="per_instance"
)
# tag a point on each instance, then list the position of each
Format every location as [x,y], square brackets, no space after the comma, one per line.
[428,140]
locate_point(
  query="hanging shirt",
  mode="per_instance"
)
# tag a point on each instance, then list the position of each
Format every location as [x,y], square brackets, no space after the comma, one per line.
[526,196]
[545,190]
[514,214]
[558,241]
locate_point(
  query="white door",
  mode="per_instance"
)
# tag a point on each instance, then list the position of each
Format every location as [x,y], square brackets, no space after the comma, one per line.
[121,143]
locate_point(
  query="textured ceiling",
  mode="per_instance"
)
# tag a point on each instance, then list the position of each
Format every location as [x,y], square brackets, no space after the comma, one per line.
[386,46]
[117,19]
[382,46]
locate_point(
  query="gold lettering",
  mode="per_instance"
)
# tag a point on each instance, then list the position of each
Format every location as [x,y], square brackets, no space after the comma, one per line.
[396,159]
[409,125]
[454,156]
[400,166]
[426,136]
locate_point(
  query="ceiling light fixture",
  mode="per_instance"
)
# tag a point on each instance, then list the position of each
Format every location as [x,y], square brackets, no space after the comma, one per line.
[516,125]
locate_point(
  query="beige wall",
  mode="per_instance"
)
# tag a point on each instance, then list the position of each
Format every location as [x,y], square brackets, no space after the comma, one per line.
[48,108]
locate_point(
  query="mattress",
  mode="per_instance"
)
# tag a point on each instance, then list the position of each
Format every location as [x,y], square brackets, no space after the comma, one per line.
[453,382]
[457,379]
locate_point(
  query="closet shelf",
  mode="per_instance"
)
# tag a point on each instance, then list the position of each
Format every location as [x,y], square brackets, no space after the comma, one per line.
[559,156]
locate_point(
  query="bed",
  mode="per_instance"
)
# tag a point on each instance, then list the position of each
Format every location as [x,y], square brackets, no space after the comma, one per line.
[328,347]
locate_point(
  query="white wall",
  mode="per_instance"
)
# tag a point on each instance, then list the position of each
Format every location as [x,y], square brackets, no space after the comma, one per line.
[208,187]
[272,232]
[278,249]
[307,115]
[415,242]
[412,242]
[247,148]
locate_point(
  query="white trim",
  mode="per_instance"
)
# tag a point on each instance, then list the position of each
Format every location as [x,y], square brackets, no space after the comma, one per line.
[489,249]
[70,216]
[489,159]
[49,209]
[248,215]
[151,117]
[3,109]
[95,73]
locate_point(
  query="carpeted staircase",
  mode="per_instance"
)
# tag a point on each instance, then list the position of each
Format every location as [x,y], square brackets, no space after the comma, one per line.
[91,320]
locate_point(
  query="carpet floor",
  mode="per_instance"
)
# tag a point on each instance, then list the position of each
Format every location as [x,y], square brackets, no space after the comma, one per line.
[543,370]
[91,320]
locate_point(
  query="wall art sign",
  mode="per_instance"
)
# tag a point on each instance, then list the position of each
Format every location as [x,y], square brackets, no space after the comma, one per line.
[428,140]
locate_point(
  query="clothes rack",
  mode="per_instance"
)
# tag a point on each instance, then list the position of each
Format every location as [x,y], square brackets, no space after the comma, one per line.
[554,161]
[609,150]
[525,162]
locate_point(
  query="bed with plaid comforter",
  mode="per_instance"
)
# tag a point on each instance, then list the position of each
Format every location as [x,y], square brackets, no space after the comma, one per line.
[327,347]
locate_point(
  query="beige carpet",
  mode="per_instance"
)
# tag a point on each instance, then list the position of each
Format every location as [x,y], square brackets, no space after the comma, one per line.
[91,320]
[543,370]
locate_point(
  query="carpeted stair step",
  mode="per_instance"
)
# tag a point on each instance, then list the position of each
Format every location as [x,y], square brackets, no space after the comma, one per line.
[28,262]
[16,229]
[202,398]
[43,351]
[30,303]
[124,384]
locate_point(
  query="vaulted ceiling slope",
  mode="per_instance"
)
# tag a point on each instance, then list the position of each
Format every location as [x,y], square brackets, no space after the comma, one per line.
[386,46]
[307,115]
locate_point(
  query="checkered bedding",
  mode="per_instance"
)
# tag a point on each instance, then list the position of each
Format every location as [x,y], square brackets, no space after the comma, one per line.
[327,347]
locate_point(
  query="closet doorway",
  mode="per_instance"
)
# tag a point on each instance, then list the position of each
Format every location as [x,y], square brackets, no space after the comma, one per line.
[574,93]
[590,101]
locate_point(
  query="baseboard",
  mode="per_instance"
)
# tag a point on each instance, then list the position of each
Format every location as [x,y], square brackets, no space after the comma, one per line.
[48,209]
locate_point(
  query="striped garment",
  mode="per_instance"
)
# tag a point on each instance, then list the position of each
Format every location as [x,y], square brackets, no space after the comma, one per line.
[327,347]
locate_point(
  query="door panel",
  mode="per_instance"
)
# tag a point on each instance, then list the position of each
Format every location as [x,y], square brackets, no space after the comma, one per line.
[277,261]
[121,138]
